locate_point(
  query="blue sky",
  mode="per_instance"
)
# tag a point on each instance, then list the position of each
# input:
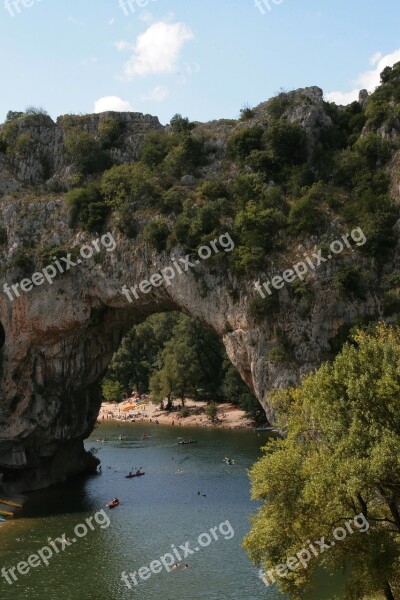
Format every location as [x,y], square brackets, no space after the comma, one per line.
[202,58]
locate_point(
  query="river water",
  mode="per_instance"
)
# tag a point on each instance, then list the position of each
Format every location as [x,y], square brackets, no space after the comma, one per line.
[157,511]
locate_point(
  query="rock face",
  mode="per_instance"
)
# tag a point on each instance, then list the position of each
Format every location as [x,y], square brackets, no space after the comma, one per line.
[57,339]
[40,155]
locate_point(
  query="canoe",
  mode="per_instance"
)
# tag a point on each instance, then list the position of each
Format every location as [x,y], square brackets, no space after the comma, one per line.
[185,443]
[4,513]
[265,429]
[133,406]
[134,475]
[9,503]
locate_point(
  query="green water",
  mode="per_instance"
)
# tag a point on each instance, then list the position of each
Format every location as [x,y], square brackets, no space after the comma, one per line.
[161,509]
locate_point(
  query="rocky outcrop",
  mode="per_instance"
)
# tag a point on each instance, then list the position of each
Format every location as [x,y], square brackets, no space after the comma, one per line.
[39,156]
[57,339]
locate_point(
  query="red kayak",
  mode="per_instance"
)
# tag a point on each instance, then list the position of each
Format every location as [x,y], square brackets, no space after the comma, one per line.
[113,504]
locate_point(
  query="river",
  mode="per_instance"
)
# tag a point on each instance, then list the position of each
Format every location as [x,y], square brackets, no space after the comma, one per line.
[157,511]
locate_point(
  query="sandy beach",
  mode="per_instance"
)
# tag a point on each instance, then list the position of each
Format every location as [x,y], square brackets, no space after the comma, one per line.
[229,416]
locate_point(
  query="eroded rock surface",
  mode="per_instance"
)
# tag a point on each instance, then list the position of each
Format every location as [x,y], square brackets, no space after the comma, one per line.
[57,340]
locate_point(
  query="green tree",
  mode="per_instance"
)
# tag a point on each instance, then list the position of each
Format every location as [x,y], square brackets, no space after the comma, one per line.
[181,125]
[180,367]
[86,208]
[374,149]
[340,458]
[33,111]
[12,115]
[234,390]
[184,158]
[191,363]
[110,129]
[247,113]
[287,142]
[156,147]
[243,142]
[156,233]
[159,390]
[248,260]
[126,188]
[307,214]
[212,411]
[113,391]
[208,356]
[257,227]
[85,152]
[139,354]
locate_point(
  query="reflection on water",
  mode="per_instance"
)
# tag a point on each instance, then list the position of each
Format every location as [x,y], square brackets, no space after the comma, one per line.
[187,490]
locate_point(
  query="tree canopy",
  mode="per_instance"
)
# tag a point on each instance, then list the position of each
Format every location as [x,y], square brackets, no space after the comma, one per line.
[340,457]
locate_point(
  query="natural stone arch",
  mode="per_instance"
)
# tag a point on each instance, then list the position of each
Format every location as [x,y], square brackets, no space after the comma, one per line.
[61,338]
[62,372]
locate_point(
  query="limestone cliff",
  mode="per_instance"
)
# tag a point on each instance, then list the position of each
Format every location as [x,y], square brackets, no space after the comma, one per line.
[57,340]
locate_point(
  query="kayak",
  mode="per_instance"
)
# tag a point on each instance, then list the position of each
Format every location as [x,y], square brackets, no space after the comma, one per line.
[4,513]
[265,429]
[133,406]
[185,443]
[8,503]
[112,505]
[3,520]
[134,475]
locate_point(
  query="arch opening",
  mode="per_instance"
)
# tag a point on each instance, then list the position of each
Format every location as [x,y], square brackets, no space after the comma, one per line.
[172,358]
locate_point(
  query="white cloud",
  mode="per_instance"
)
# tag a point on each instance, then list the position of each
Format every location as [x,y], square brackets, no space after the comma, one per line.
[157,50]
[343,98]
[111,21]
[86,62]
[371,79]
[75,22]
[121,46]
[157,94]
[375,57]
[146,16]
[114,103]
[368,80]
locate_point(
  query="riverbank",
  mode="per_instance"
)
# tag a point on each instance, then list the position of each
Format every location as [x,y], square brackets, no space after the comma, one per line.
[229,416]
